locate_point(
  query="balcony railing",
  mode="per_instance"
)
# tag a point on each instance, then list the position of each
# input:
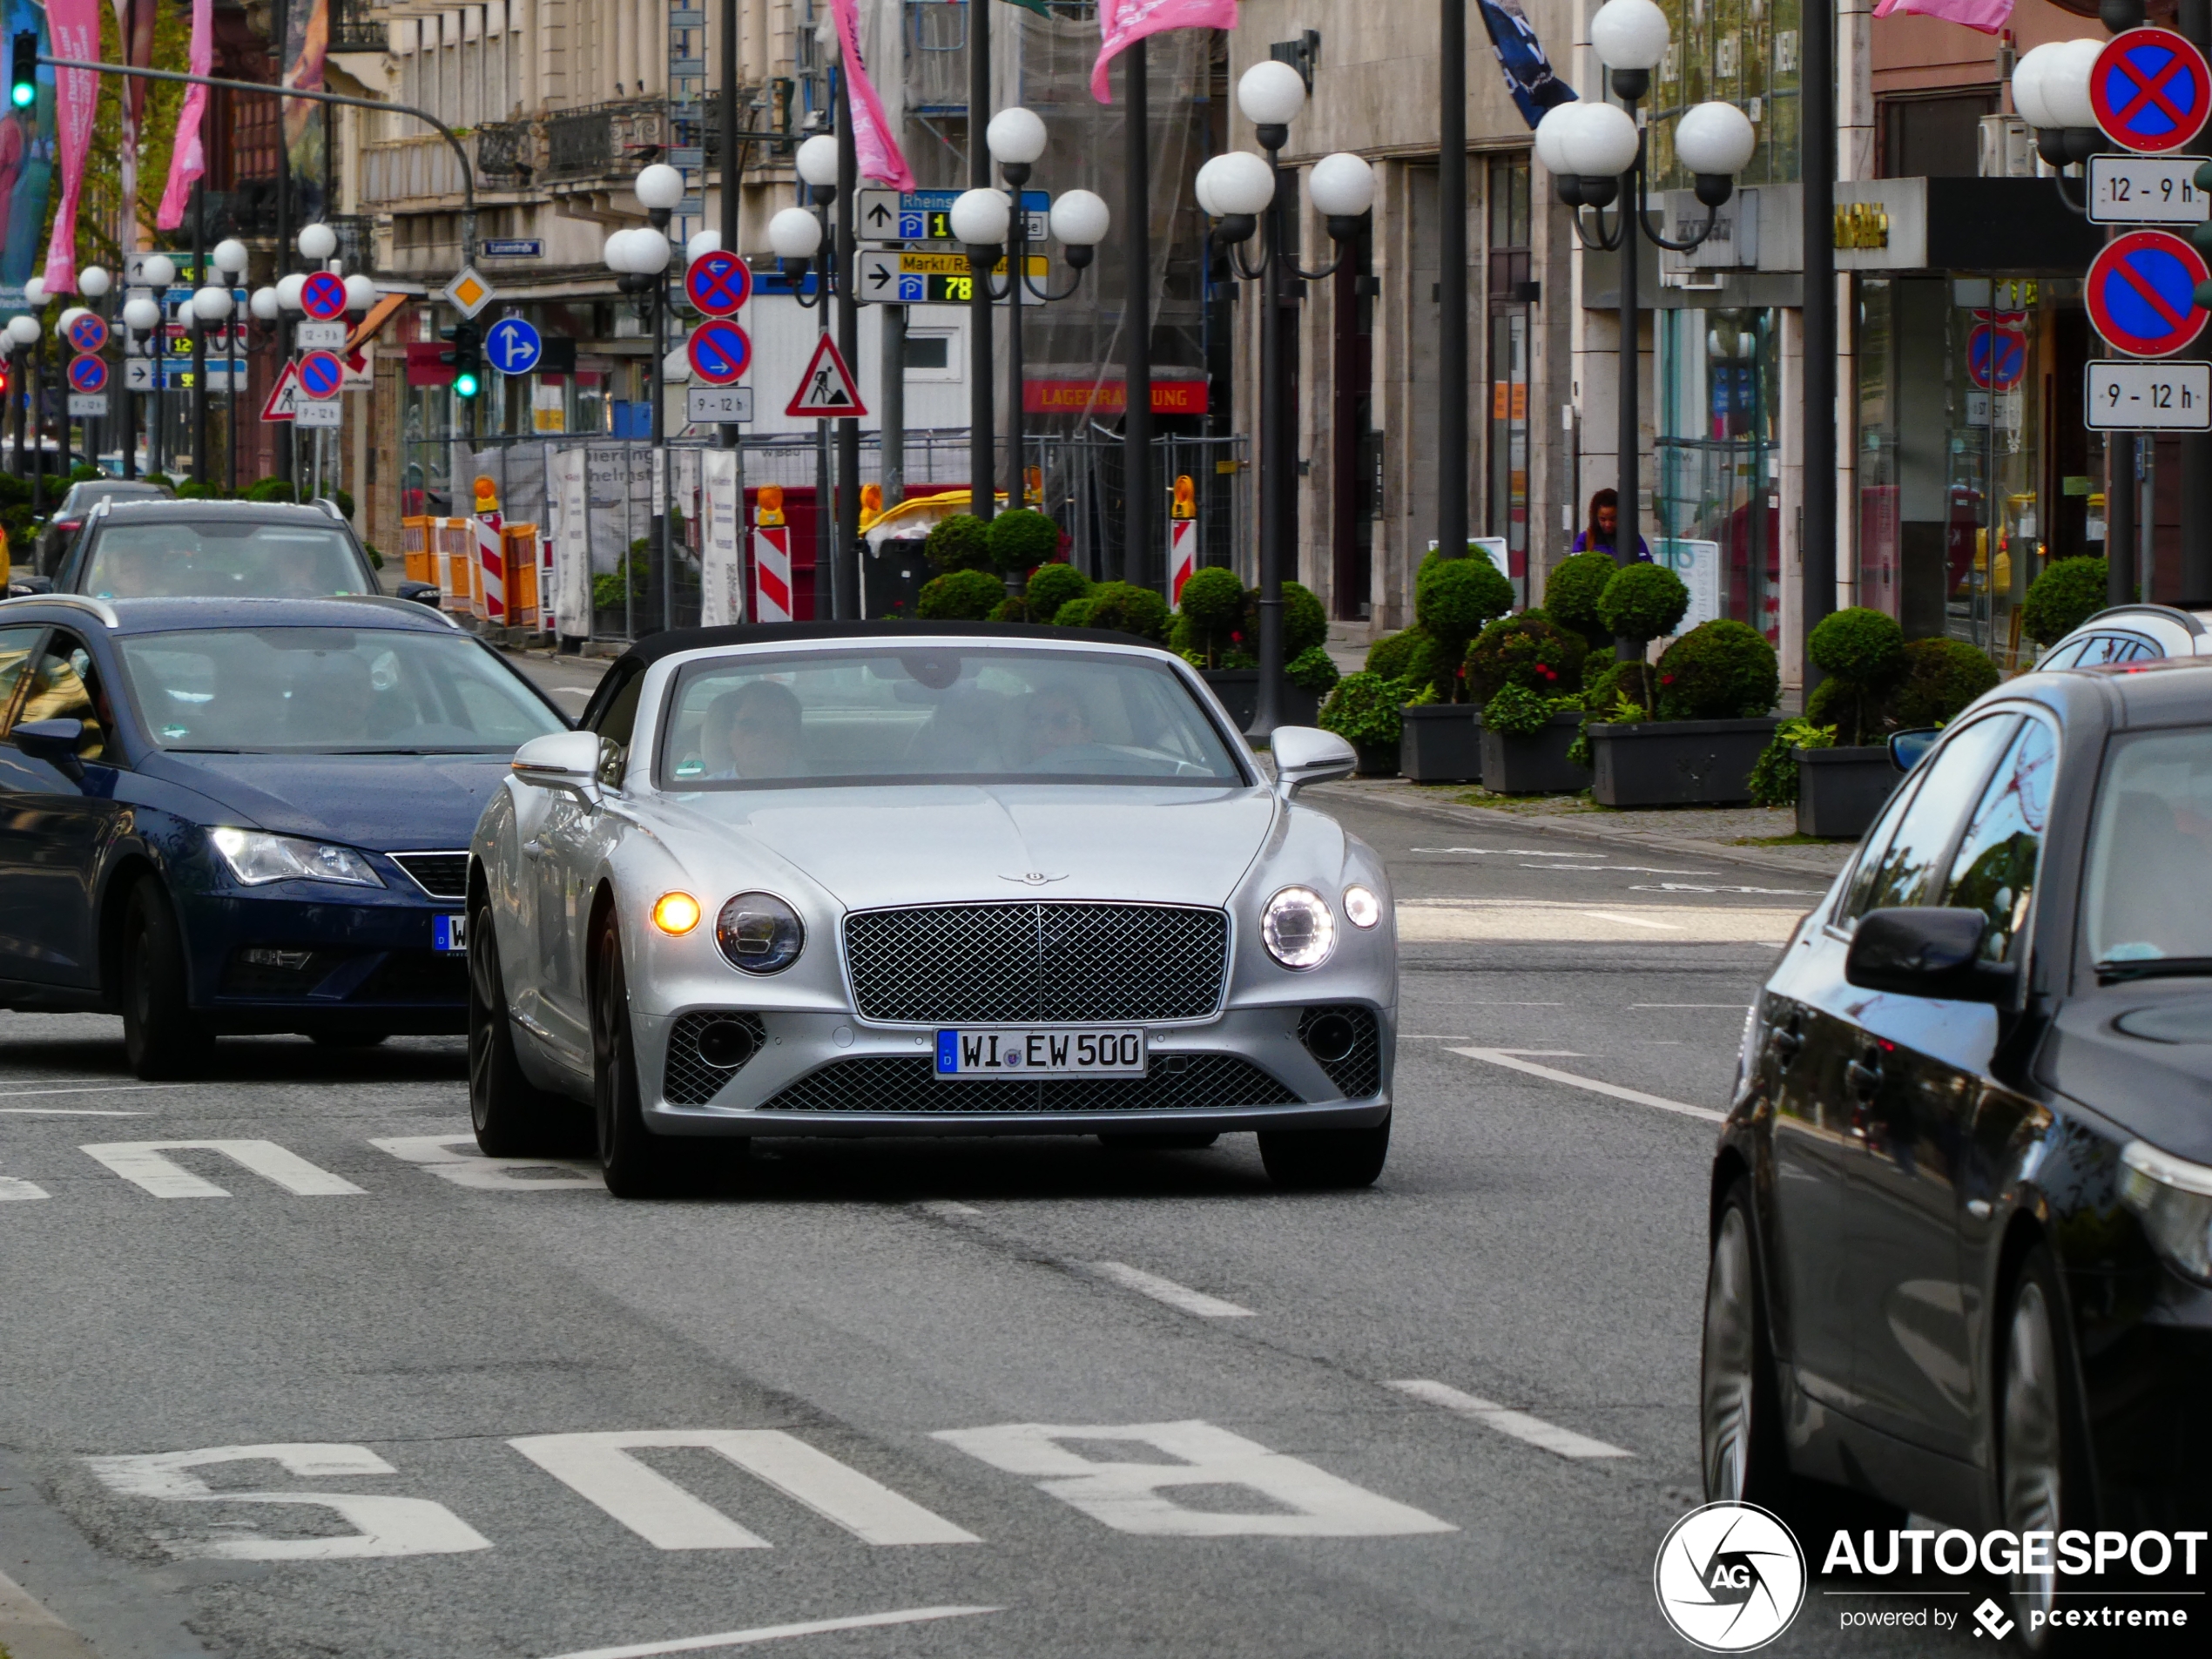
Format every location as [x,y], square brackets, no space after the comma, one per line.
[355,27]
[395,172]
[604,140]
[507,154]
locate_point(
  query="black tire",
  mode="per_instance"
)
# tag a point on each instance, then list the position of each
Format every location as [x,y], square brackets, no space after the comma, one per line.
[2041,1478]
[348,1038]
[512,1117]
[637,1163]
[162,1041]
[1138,1140]
[1324,1160]
[1739,1397]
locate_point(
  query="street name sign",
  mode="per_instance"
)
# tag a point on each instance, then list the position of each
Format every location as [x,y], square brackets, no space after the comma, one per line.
[320,412]
[926,215]
[718,284]
[2147,190]
[513,247]
[826,390]
[2150,90]
[2141,292]
[719,350]
[719,405]
[2122,395]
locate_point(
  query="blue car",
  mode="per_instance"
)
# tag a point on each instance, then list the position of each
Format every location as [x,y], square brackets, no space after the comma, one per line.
[245,815]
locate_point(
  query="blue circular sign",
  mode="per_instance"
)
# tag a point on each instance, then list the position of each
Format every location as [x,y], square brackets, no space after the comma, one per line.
[87,374]
[512,347]
[1996,358]
[2149,89]
[88,333]
[2141,292]
[321,374]
[719,352]
[718,284]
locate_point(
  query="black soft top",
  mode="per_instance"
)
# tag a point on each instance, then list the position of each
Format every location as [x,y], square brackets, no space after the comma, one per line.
[669,642]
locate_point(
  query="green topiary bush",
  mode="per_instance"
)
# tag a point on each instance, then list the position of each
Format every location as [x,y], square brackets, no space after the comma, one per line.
[1013,608]
[1209,626]
[1052,586]
[1121,607]
[1774,775]
[1305,620]
[1719,670]
[192,490]
[1937,679]
[1517,712]
[1571,593]
[1527,650]
[1452,600]
[959,543]
[1637,683]
[345,500]
[2067,594]
[1862,646]
[161,478]
[1022,540]
[1389,656]
[1366,710]
[959,595]
[1642,602]
[84,472]
[1313,671]
[271,488]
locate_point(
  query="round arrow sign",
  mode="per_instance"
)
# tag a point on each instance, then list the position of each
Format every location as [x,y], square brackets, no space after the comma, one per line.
[718,284]
[88,333]
[2141,292]
[1995,358]
[321,374]
[719,352]
[87,374]
[323,296]
[2151,90]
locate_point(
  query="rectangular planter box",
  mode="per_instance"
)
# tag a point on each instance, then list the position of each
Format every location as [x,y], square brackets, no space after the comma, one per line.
[1239,689]
[1676,763]
[1536,764]
[1443,743]
[1840,790]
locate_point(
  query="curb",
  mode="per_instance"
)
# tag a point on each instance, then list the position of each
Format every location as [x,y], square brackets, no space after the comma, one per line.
[1479,817]
[28,1631]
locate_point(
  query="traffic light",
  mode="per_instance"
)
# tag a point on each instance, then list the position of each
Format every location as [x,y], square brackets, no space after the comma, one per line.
[7,383]
[23,79]
[468,360]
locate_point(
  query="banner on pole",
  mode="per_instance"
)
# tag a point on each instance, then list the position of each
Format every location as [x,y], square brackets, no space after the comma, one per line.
[188,160]
[568,471]
[1121,23]
[878,151]
[721,559]
[75,28]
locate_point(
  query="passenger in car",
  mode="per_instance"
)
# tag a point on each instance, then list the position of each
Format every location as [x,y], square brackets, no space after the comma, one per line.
[753,731]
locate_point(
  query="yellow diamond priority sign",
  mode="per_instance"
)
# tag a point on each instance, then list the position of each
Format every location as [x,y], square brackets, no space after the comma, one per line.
[468,293]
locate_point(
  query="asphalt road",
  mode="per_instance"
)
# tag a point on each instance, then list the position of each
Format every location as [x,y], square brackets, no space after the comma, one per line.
[1037,1397]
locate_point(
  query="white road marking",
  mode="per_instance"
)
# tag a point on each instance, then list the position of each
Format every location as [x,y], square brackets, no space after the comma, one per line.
[1533,921]
[1551,1437]
[1506,851]
[600,1469]
[64,1111]
[455,1158]
[1512,1058]
[1733,1008]
[142,1163]
[777,1632]
[947,1207]
[15,1188]
[1634,921]
[386,1526]
[1167,1290]
[583,691]
[1133,1497]
[91,1089]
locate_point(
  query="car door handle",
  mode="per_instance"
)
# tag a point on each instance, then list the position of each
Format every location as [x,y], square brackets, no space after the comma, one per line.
[1789,1043]
[533,848]
[1862,1080]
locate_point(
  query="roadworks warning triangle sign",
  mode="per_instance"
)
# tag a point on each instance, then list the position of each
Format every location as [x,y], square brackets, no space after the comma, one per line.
[284,397]
[825,390]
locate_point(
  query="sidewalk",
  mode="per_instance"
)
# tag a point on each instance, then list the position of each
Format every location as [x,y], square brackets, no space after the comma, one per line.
[1745,835]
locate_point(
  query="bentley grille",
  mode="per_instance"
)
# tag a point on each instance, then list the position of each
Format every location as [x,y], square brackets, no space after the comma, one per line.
[1052,964]
[905,1083]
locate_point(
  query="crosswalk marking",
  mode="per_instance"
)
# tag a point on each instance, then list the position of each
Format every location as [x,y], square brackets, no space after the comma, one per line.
[777,1632]
[1564,1441]
[143,1165]
[600,1469]
[1135,1497]
[1167,1290]
[454,1158]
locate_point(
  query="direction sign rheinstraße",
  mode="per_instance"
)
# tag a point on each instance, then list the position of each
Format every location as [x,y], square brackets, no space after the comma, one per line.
[2141,293]
[2147,190]
[718,284]
[321,374]
[323,296]
[719,350]
[2150,90]
[926,215]
[87,374]
[88,333]
[2124,394]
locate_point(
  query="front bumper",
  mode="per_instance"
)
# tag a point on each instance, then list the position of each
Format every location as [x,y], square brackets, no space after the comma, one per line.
[828,1074]
[268,959]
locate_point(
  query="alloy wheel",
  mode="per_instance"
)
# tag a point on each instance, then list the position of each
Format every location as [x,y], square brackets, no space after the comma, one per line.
[2035,1438]
[1731,1361]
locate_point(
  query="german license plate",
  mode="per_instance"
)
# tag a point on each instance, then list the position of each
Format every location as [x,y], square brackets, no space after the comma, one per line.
[1016,1051]
[450,935]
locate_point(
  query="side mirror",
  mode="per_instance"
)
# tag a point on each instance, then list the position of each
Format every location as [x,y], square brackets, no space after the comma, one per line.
[1922,951]
[22,586]
[566,761]
[1306,754]
[1906,748]
[54,742]
[423,593]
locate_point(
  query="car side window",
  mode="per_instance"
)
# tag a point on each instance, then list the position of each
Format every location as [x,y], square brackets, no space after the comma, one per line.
[1994,870]
[1907,870]
[2067,656]
[15,646]
[65,687]
[617,716]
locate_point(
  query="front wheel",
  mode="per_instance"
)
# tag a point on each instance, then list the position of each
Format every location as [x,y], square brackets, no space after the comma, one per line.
[1324,1160]
[2039,1456]
[636,1162]
[1739,1402]
[512,1117]
[161,1039]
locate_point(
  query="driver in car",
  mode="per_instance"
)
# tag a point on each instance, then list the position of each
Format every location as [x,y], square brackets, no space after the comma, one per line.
[1057,730]
[752,733]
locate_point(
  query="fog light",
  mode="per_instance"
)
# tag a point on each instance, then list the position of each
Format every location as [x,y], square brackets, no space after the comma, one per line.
[728,1044]
[676,913]
[1330,1037]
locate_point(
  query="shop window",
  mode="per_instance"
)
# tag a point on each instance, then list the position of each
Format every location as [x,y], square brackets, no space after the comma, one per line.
[1718,505]
[1510,346]
[1744,52]
[1932,138]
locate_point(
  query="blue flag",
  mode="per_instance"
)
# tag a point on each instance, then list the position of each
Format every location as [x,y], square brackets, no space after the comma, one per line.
[1520,54]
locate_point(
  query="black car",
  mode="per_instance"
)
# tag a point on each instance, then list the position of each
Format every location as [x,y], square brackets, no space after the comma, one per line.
[247,815]
[1961,1211]
[77,506]
[219,550]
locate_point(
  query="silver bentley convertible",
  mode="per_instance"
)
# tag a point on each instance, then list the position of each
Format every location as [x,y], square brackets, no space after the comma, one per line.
[897,879]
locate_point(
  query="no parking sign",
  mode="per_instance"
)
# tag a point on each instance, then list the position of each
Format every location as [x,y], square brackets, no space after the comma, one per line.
[2141,293]
[2151,90]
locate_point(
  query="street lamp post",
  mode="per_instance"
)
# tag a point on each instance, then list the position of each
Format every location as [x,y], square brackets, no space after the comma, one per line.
[34,295]
[230,259]
[141,320]
[22,332]
[62,324]
[1595,153]
[1241,190]
[211,305]
[819,163]
[94,282]
[641,258]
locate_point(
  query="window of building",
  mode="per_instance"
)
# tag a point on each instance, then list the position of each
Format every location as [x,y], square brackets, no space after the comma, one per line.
[1744,52]
[1511,338]
[1932,138]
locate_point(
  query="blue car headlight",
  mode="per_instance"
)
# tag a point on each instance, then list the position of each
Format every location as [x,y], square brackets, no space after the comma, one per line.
[256,857]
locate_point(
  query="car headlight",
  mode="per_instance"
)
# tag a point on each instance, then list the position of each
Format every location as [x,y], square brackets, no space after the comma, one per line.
[1299,929]
[2173,1197]
[760,932]
[1361,907]
[255,857]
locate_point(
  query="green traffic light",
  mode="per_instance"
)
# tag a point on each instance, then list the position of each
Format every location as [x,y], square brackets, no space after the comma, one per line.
[465,385]
[23,94]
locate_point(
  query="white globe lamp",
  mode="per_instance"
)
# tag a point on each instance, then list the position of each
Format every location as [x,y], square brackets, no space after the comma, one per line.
[1341,185]
[981,218]
[702,244]
[1016,136]
[160,270]
[1629,34]
[24,331]
[317,242]
[230,256]
[94,281]
[1081,219]
[1715,139]
[265,305]
[1270,93]
[1602,141]
[288,291]
[211,304]
[141,313]
[817,162]
[795,233]
[1239,184]
[361,293]
[660,188]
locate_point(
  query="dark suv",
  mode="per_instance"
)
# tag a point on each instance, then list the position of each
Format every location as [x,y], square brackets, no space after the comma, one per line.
[219,549]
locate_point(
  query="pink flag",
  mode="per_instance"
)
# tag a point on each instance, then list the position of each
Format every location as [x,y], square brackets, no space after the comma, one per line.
[1988,16]
[75,28]
[1123,22]
[879,151]
[190,157]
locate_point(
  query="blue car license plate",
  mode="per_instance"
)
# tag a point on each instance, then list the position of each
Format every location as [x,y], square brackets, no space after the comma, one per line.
[450,935]
[1002,1051]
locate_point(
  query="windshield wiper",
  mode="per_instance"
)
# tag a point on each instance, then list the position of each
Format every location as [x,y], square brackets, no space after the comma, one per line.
[2119,973]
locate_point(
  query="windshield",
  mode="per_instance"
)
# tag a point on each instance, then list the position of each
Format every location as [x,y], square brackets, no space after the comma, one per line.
[211,559]
[975,715]
[2151,843]
[329,691]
